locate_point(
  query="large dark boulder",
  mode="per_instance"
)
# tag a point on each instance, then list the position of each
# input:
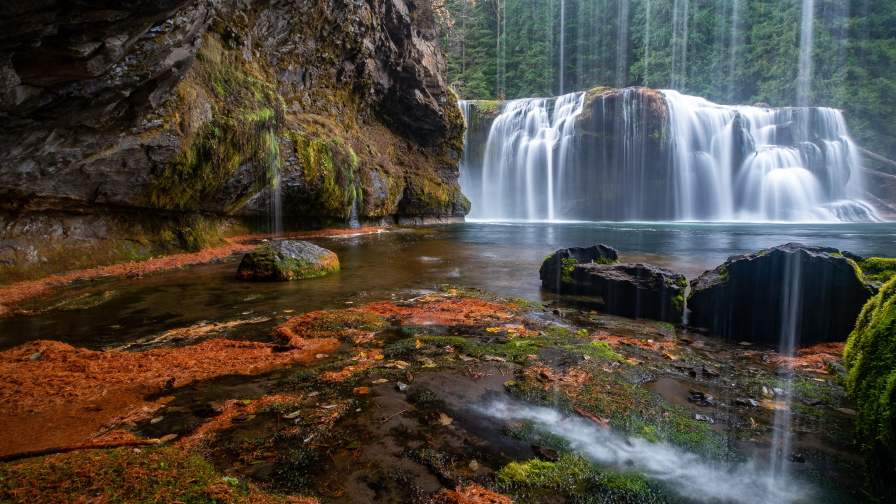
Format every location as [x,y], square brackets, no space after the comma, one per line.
[555,269]
[633,290]
[813,293]
[287,260]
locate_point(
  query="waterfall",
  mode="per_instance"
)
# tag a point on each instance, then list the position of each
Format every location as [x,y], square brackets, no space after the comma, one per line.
[527,151]
[804,79]
[643,155]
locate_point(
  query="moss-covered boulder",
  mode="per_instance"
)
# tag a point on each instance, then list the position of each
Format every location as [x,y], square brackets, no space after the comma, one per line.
[287,260]
[555,269]
[870,358]
[817,292]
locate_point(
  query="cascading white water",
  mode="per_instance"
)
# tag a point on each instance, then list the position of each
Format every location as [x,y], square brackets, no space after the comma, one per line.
[525,156]
[782,176]
[718,163]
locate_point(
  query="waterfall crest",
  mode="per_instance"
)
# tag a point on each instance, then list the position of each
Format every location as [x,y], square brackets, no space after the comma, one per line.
[637,154]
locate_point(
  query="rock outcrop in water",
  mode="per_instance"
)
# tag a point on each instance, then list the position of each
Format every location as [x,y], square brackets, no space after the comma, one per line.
[287,260]
[633,290]
[556,268]
[629,290]
[129,129]
[816,293]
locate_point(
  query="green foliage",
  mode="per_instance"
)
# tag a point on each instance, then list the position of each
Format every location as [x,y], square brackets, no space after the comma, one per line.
[870,358]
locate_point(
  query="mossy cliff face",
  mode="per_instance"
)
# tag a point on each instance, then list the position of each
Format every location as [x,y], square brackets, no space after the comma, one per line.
[870,357]
[200,106]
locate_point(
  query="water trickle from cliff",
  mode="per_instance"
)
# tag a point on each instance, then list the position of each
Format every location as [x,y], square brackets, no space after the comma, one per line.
[804,79]
[709,162]
[791,316]
[682,472]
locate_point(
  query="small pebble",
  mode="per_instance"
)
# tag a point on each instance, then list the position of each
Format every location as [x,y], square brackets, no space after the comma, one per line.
[34,356]
[156,420]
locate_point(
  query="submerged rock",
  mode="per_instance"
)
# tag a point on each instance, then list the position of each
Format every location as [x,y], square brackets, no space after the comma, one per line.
[633,290]
[814,292]
[287,260]
[555,269]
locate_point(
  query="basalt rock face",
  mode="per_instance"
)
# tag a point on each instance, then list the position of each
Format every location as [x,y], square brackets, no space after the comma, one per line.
[814,293]
[556,268]
[633,290]
[198,107]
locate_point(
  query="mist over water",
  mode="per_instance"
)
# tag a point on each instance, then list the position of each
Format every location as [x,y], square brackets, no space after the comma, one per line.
[684,473]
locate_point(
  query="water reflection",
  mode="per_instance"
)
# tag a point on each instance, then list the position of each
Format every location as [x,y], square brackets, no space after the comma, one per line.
[498,257]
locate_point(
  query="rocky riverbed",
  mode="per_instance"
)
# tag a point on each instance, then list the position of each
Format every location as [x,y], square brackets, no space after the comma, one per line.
[456,396]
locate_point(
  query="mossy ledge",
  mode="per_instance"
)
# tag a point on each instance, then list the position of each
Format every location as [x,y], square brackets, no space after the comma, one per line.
[870,357]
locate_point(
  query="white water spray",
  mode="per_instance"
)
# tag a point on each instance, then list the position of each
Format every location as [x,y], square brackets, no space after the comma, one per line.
[682,472]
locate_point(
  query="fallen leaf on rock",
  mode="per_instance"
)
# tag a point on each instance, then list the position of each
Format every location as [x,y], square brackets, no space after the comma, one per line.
[445,419]
[381,380]
[401,364]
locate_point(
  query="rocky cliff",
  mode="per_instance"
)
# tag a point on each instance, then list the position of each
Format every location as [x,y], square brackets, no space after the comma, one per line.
[133,128]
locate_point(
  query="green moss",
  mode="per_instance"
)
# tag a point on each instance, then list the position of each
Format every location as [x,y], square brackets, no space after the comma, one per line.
[330,167]
[678,302]
[870,358]
[265,263]
[246,115]
[723,273]
[878,269]
[566,270]
[574,478]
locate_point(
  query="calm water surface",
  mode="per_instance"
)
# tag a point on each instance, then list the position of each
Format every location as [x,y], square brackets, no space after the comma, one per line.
[502,258]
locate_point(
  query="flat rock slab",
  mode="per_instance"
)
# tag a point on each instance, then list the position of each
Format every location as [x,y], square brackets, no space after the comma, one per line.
[287,260]
[814,294]
[633,290]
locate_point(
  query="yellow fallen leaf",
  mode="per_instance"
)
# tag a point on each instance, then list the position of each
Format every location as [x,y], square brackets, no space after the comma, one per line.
[288,311]
[378,357]
[362,390]
[493,329]
[419,345]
